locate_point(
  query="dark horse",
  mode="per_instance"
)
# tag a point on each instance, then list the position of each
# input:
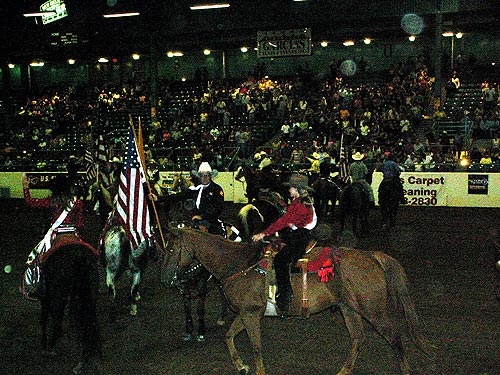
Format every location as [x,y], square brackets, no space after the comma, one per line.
[354,202]
[326,194]
[251,180]
[259,214]
[70,273]
[390,195]
[367,285]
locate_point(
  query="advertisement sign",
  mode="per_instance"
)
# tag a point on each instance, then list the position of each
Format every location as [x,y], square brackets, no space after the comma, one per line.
[295,42]
[477,184]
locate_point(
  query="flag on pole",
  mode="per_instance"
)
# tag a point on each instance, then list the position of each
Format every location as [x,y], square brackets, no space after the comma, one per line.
[132,206]
[343,166]
[94,159]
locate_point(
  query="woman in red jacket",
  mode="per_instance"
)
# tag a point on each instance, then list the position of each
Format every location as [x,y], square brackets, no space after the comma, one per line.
[299,219]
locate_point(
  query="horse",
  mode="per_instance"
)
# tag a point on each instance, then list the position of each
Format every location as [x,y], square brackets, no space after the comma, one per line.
[326,191]
[70,273]
[120,256]
[259,214]
[354,202]
[367,285]
[390,194]
[251,179]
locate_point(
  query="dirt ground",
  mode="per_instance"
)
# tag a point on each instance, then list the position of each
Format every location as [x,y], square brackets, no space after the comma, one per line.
[446,252]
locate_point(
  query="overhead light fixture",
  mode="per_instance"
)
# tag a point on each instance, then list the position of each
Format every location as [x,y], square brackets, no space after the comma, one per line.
[348,43]
[244,49]
[209,6]
[459,35]
[119,15]
[324,43]
[412,38]
[71,61]
[174,54]
[37,63]
[12,66]
[40,14]
[103,60]
[448,34]
[207,52]
[136,56]
[367,41]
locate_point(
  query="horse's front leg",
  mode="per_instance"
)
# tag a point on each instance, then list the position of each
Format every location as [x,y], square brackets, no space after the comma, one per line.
[224,306]
[186,298]
[44,318]
[252,326]
[134,291]
[235,328]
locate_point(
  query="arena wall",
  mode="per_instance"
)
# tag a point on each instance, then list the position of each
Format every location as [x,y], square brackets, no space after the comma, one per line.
[421,188]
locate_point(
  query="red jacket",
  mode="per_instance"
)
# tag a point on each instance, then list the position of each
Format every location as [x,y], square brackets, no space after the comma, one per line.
[75,216]
[297,214]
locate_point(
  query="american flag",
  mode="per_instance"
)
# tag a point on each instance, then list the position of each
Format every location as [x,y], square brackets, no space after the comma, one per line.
[94,159]
[343,166]
[132,206]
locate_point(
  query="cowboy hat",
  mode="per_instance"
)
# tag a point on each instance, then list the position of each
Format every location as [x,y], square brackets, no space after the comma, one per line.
[316,156]
[358,156]
[204,168]
[265,163]
[299,181]
[116,160]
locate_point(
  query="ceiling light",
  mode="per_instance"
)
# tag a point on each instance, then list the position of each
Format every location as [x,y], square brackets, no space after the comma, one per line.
[206,52]
[37,63]
[136,56]
[412,38]
[71,61]
[12,66]
[367,40]
[209,6]
[348,43]
[174,54]
[459,35]
[40,14]
[448,34]
[118,15]
[244,49]
[103,60]
[324,43]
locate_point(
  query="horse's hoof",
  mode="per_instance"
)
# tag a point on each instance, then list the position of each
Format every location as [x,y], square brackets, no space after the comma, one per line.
[187,337]
[133,310]
[200,338]
[221,322]
[78,368]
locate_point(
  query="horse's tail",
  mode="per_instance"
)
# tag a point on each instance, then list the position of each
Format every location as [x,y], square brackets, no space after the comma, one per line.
[397,287]
[84,302]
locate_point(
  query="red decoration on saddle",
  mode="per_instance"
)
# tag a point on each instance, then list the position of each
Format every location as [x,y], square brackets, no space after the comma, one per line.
[324,264]
[68,241]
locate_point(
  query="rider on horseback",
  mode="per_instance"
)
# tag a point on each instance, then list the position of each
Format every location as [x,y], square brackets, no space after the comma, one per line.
[358,172]
[208,199]
[299,219]
[391,171]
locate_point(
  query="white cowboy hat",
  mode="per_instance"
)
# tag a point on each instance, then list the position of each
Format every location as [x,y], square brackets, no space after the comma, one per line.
[264,163]
[358,156]
[204,168]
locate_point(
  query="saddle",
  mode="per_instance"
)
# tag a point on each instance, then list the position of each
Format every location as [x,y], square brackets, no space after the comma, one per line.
[319,260]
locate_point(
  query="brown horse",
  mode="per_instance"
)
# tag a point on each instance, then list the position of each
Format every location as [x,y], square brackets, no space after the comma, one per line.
[367,285]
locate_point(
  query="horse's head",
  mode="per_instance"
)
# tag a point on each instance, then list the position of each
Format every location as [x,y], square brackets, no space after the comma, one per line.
[178,258]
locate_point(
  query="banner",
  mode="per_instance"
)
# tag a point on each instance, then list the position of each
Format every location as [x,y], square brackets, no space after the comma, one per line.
[295,42]
[477,184]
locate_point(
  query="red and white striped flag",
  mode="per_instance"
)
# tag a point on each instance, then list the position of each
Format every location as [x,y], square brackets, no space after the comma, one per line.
[132,206]
[343,166]
[96,162]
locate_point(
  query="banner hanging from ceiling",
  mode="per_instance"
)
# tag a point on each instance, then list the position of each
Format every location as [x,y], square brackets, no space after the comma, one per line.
[295,42]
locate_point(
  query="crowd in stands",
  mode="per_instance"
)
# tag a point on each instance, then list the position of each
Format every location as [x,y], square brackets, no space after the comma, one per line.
[225,122]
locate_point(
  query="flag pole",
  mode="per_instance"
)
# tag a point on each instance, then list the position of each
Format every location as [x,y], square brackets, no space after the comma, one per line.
[141,158]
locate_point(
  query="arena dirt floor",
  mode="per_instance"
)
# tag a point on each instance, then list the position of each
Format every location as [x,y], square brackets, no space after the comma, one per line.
[446,252]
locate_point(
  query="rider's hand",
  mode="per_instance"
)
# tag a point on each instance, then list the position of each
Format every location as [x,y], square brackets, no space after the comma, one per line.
[153,197]
[196,217]
[258,236]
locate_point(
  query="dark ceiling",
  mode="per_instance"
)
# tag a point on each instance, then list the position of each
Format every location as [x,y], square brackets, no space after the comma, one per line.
[168,24]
